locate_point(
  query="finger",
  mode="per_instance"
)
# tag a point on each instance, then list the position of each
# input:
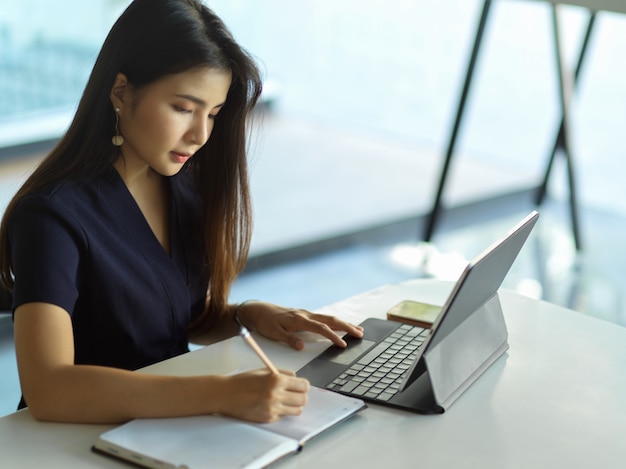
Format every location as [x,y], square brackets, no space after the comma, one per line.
[293,410]
[338,325]
[294,341]
[324,330]
[295,399]
[282,335]
[293,383]
[355,331]
[299,385]
[293,404]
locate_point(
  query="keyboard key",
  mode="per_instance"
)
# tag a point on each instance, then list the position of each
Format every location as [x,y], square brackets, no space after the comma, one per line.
[360,390]
[385,396]
[349,386]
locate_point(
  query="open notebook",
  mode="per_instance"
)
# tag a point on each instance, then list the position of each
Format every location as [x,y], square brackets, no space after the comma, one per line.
[194,442]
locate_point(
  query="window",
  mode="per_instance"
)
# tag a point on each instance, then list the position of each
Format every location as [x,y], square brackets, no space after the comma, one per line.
[47,50]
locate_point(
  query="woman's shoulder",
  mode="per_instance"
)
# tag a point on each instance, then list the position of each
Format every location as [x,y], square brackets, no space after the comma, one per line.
[67,195]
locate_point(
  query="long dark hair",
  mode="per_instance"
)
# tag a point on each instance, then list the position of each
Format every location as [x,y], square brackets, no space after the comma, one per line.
[152,39]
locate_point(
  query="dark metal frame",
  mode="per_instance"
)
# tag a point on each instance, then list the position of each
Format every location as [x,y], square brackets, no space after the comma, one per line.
[562,143]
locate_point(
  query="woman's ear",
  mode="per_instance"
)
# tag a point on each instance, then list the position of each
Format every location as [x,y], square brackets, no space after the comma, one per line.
[119,91]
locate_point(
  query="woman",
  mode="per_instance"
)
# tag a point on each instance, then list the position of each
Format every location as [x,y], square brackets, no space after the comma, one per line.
[127,237]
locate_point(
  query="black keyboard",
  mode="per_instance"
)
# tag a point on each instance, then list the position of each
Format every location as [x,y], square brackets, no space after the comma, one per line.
[379,373]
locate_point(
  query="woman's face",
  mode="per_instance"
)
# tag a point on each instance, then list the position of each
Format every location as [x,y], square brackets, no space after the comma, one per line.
[166,122]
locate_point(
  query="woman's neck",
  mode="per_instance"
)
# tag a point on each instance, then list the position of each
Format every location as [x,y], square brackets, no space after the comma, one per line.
[151,193]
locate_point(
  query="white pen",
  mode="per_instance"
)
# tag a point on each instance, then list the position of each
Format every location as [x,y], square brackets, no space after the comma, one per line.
[247,337]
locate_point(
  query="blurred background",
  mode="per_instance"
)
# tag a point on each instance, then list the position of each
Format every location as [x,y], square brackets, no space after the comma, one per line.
[359,101]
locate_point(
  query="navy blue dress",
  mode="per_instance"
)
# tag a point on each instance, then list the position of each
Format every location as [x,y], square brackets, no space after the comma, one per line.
[87,248]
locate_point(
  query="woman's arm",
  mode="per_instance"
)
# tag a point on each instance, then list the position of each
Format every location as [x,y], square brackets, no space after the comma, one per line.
[57,390]
[272,321]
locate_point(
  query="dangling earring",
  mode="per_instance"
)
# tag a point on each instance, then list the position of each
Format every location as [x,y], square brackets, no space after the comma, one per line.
[117,138]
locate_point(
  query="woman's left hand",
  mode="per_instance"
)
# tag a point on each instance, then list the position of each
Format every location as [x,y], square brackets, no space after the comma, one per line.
[280,324]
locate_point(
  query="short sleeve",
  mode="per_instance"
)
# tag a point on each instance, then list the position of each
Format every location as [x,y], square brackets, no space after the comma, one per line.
[45,246]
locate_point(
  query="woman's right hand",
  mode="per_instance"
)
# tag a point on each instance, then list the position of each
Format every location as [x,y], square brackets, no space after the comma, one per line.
[58,390]
[262,396]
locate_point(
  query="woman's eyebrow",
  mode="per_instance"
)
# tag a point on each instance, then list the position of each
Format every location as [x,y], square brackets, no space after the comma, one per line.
[196,100]
[192,99]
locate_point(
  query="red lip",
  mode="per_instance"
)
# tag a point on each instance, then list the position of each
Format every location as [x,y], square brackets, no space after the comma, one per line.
[181,157]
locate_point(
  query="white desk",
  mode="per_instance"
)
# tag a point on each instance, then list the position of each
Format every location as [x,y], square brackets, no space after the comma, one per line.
[556,399]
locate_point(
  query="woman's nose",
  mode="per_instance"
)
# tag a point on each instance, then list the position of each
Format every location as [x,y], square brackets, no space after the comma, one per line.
[200,132]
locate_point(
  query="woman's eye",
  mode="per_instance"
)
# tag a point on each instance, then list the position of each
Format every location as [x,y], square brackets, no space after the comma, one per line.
[181,109]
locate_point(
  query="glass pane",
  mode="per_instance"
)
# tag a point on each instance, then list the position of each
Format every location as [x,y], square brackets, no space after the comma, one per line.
[47,50]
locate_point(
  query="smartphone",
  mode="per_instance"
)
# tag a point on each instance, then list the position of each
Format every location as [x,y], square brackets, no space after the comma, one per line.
[415,313]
